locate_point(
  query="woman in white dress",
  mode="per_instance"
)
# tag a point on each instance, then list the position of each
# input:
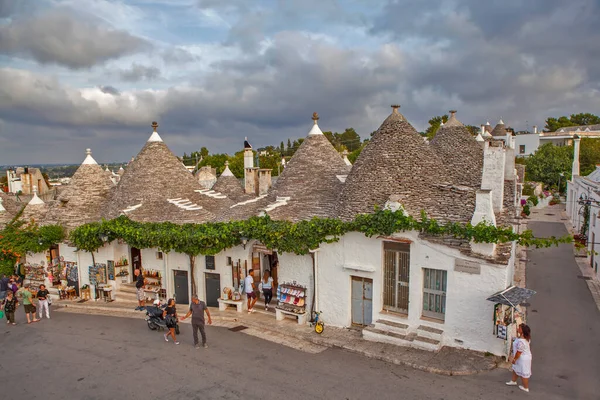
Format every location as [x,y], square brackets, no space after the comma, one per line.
[521,358]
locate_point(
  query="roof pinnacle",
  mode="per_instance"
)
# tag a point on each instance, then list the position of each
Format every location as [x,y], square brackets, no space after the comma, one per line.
[315,117]
[395,108]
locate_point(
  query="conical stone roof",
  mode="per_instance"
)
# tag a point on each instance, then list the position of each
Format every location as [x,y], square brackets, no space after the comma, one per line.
[311,181]
[230,186]
[499,130]
[156,187]
[397,162]
[85,198]
[460,152]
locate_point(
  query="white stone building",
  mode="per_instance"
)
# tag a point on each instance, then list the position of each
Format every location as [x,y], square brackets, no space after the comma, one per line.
[409,288]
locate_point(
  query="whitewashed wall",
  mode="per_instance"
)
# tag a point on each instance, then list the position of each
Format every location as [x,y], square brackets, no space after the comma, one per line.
[493,174]
[468,313]
[300,269]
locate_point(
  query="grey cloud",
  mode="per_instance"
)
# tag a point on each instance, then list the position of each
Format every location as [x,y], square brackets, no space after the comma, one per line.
[63,37]
[110,90]
[177,55]
[139,72]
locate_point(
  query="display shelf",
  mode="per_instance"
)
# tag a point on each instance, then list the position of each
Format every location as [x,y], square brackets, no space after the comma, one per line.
[291,297]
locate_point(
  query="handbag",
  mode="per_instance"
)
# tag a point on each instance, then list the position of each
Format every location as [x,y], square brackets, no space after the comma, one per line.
[49,299]
[177,329]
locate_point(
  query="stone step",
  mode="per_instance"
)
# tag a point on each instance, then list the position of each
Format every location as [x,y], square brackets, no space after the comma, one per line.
[379,335]
[426,343]
[391,326]
[430,332]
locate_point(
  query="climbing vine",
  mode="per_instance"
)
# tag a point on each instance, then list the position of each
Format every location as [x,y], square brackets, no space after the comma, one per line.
[299,238]
[19,237]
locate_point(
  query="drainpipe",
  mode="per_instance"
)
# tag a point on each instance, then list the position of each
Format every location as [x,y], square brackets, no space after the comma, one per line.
[166,276]
[315,302]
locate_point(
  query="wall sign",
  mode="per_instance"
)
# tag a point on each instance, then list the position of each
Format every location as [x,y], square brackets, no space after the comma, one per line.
[469,267]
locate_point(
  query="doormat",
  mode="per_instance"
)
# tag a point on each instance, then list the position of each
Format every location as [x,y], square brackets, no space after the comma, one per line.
[586,278]
[82,300]
[238,328]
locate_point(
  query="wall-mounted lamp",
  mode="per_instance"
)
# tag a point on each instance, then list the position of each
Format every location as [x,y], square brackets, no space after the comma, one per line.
[244,241]
[103,237]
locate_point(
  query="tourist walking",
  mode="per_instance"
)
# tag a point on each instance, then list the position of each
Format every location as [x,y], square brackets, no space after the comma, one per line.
[3,286]
[27,298]
[9,305]
[267,288]
[43,303]
[197,310]
[139,287]
[521,358]
[249,289]
[13,286]
[170,316]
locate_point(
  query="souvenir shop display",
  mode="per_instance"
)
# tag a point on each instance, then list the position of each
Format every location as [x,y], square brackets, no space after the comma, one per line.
[121,267]
[291,297]
[97,274]
[154,283]
[35,274]
[71,276]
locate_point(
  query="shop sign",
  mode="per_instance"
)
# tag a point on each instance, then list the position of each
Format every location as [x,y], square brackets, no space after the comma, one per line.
[261,248]
[469,267]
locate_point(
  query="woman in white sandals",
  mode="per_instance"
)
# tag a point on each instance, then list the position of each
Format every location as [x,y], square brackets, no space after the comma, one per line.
[521,358]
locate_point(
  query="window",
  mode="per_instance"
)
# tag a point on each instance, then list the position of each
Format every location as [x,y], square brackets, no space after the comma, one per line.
[159,255]
[228,261]
[434,293]
[522,149]
[210,262]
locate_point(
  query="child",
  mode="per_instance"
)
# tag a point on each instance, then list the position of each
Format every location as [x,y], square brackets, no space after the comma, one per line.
[10,305]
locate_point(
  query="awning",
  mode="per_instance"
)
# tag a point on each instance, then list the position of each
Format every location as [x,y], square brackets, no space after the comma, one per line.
[513,296]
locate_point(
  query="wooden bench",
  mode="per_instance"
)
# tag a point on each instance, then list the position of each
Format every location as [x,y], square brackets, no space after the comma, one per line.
[224,303]
[280,316]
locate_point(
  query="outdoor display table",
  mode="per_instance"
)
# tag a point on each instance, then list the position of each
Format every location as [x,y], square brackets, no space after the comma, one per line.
[223,304]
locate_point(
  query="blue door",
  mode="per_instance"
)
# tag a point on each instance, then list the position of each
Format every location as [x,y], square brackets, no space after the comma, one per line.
[362,301]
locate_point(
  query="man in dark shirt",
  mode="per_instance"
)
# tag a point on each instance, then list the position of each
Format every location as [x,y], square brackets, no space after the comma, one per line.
[197,310]
[139,286]
[3,286]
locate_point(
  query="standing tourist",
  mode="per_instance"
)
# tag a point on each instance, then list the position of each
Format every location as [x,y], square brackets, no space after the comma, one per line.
[9,306]
[197,310]
[267,288]
[42,296]
[139,287]
[27,298]
[13,286]
[521,358]
[249,289]
[3,286]
[170,316]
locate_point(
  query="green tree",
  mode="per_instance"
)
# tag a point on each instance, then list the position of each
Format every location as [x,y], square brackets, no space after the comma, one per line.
[548,163]
[473,130]
[589,155]
[434,125]
[350,139]
[554,124]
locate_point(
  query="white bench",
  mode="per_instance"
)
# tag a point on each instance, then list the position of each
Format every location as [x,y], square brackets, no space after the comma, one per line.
[223,304]
[280,316]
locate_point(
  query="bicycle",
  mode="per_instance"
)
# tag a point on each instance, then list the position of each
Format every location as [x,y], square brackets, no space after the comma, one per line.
[319,325]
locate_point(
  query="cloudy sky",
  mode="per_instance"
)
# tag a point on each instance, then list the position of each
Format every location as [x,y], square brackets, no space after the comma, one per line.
[96,73]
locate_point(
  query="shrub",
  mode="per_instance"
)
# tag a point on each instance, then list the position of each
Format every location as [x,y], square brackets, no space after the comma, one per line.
[533,200]
[526,210]
[528,189]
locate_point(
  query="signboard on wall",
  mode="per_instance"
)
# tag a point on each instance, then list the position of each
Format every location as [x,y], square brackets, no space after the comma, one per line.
[468,267]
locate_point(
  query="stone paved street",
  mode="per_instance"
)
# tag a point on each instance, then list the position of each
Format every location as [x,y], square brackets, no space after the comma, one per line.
[97,357]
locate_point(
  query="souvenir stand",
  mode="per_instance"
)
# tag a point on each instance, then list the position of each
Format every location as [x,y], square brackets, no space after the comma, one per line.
[98,279]
[508,314]
[35,275]
[291,300]
[121,269]
[154,288]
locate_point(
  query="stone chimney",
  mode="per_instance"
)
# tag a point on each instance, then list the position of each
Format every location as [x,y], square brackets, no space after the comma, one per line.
[264,181]
[484,212]
[251,183]
[482,130]
[494,166]
[345,156]
[576,144]
[535,129]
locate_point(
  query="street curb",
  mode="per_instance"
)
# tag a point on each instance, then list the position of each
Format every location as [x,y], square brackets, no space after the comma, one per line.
[310,339]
